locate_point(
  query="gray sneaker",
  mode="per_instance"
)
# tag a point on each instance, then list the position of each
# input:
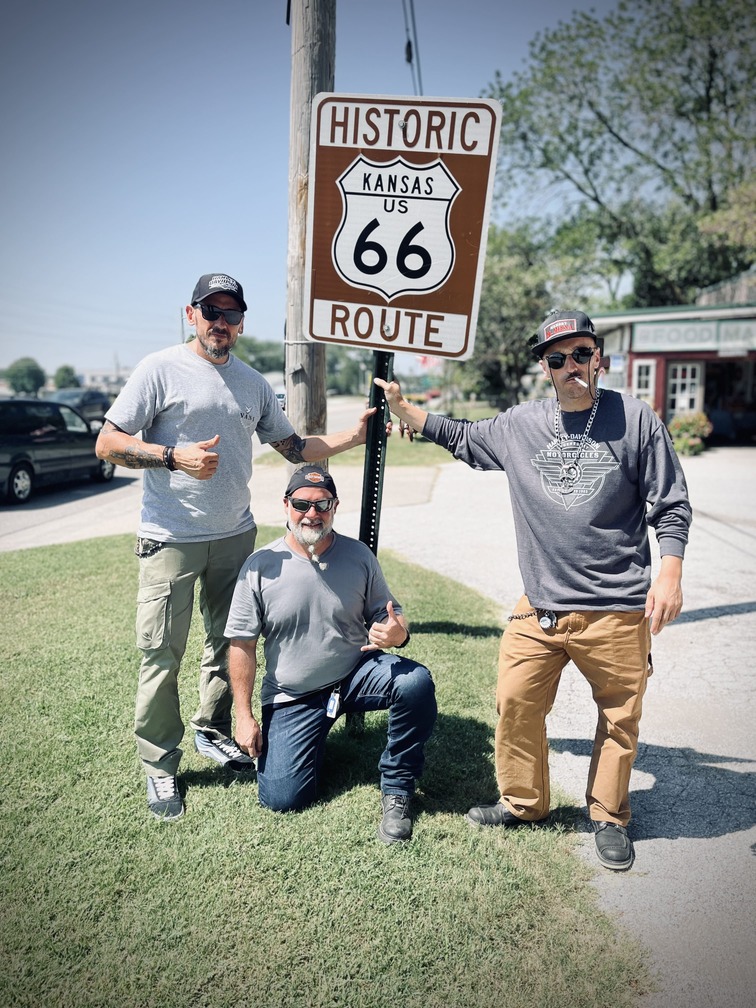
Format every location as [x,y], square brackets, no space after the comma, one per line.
[164,799]
[224,751]
[396,824]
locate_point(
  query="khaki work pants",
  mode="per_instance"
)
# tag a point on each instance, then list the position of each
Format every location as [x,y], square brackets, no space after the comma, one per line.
[612,651]
[165,602]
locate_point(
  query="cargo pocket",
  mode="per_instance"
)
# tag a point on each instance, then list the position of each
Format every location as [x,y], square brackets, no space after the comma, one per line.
[152,615]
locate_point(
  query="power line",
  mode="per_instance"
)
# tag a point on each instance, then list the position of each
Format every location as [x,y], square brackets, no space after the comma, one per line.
[412,49]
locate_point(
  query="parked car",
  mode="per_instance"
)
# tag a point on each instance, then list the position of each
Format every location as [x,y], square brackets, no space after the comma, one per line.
[45,442]
[91,403]
[281,396]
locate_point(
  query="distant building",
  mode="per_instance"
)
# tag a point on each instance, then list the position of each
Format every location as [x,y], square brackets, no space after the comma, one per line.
[691,358]
[109,380]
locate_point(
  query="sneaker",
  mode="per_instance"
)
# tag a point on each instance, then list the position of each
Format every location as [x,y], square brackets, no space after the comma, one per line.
[496,814]
[613,846]
[396,824]
[164,799]
[224,751]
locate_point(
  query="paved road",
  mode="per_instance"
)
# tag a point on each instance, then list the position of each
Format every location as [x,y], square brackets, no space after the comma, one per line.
[86,510]
[691,895]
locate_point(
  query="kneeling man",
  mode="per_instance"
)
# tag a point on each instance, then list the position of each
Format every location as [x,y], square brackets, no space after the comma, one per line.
[320,602]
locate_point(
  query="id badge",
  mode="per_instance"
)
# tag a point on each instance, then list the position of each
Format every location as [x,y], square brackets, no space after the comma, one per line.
[334,704]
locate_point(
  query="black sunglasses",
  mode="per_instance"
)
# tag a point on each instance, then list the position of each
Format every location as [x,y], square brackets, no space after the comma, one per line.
[299,504]
[211,314]
[581,355]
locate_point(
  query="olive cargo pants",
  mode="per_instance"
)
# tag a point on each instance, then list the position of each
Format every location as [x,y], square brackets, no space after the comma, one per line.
[165,601]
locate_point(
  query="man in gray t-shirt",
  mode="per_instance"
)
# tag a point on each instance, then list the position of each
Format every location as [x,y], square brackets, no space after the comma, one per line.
[320,603]
[197,407]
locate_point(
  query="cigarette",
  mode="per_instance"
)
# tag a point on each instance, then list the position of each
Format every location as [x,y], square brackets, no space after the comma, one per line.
[581,382]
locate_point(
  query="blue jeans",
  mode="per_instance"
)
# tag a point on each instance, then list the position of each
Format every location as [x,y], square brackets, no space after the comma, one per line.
[294,734]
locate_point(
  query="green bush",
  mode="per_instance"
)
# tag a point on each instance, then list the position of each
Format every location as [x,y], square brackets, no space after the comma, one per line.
[688,432]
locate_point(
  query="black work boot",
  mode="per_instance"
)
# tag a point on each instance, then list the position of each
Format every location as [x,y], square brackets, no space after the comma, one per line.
[396,824]
[613,846]
[497,814]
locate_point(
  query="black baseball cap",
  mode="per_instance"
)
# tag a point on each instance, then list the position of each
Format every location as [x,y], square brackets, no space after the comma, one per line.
[560,325]
[218,283]
[311,476]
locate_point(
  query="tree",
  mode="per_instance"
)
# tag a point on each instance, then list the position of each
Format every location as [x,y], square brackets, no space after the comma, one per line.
[266,357]
[736,222]
[643,119]
[25,376]
[514,299]
[65,377]
[348,371]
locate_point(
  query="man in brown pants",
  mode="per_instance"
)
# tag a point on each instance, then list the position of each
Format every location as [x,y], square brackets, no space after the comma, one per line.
[588,472]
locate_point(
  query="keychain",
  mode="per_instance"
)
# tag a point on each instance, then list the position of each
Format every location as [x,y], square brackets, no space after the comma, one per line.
[546,619]
[334,703]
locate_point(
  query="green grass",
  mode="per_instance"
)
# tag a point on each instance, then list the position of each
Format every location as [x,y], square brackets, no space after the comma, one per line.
[235,906]
[400,451]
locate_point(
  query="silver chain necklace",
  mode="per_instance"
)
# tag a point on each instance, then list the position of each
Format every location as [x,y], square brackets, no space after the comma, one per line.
[570,471]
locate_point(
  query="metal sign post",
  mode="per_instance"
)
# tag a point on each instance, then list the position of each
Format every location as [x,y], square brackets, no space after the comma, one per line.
[375,453]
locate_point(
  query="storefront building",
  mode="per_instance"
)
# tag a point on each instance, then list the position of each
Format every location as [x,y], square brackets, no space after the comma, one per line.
[691,359]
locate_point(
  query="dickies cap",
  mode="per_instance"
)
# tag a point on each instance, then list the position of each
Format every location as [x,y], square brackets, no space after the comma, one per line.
[557,326]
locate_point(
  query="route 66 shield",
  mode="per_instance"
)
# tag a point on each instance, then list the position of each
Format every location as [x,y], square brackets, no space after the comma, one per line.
[394,235]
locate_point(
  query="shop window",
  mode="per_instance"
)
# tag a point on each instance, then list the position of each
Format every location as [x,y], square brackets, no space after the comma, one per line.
[644,380]
[684,388]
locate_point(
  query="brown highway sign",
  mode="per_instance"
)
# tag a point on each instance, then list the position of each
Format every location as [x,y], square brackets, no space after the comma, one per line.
[398,208]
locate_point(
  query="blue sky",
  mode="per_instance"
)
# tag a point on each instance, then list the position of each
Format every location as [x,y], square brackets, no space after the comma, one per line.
[146,143]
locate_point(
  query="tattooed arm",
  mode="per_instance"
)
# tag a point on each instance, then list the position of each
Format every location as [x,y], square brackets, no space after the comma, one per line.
[196,460]
[322,446]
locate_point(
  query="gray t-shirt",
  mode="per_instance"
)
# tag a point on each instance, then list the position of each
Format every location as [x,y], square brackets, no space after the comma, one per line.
[175,397]
[314,621]
[586,549]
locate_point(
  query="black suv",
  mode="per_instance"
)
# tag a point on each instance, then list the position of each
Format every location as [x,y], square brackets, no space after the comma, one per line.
[45,442]
[91,403]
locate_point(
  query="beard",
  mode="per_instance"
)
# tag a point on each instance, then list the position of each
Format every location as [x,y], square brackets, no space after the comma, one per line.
[308,536]
[215,350]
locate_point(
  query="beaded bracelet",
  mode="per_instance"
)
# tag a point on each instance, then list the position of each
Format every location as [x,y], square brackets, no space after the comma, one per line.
[168,460]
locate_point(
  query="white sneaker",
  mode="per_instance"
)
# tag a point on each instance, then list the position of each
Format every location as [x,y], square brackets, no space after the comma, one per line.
[163,798]
[224,751]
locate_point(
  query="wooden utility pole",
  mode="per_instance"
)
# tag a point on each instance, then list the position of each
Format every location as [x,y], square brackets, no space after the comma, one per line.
[313,53]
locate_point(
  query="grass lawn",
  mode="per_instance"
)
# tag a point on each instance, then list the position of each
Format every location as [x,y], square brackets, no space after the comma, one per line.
[400,451]
[233,906]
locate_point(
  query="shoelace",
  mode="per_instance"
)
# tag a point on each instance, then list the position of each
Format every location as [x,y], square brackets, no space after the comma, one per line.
[397,801]
[229,747]
[165,787]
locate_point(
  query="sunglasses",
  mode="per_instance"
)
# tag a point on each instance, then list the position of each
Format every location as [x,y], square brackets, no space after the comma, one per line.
[211,314]
[304,505]
[581,355]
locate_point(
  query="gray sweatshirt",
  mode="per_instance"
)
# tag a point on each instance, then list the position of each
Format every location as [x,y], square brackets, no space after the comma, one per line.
[586,548]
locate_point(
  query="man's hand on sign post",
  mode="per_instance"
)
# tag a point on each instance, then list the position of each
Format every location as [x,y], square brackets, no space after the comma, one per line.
[411,415]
